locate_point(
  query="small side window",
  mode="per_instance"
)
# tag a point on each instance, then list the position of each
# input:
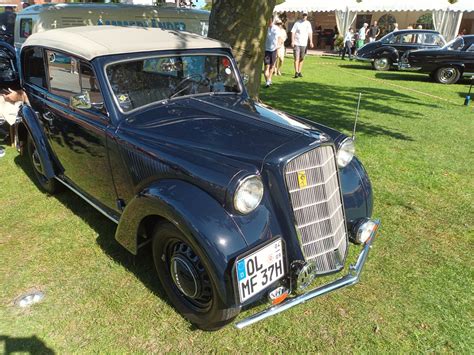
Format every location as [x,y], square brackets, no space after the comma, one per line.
[33,67]
[471,48]
[89,83]
[63,74]
[26,26]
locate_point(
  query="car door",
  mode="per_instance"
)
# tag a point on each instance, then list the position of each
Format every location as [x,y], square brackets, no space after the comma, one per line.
[469,60]
[78,136]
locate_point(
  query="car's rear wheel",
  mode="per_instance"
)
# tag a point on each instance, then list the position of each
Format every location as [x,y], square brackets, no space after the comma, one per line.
[186,280]
[47,185]
[382,64]
[447,75]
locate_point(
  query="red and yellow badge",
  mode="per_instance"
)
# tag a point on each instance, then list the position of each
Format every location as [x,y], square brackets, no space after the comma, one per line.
[302,181]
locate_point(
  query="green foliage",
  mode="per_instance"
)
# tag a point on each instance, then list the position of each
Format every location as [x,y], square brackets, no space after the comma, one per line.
[339,42]
[415,295]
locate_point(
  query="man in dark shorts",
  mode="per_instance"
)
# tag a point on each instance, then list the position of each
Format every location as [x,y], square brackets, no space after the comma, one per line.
[300,33]
[271,47]
[374,32]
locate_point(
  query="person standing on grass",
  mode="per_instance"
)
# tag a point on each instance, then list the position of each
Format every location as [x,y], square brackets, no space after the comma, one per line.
[348,43]
[395,27]
[281,47]
[374,32]
[271,46]
[362,33]
[300,33]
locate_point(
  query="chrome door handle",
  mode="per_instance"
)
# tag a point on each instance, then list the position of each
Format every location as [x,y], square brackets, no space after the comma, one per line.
[48,116]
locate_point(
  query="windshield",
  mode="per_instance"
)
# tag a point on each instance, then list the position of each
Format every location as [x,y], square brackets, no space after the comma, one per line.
[455,45]
[139,83]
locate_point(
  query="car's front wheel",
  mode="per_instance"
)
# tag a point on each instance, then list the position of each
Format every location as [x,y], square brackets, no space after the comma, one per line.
[48,185]
[382,64]
[447,75]
[186,280]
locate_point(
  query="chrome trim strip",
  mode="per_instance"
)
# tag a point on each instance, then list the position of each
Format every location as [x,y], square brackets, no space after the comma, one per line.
[87,200]
[350,279]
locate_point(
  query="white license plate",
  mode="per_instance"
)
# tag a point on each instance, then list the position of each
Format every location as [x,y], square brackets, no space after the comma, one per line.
[258,270]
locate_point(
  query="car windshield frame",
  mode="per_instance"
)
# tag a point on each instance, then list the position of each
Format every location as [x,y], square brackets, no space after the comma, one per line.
[450,43]
[180,53]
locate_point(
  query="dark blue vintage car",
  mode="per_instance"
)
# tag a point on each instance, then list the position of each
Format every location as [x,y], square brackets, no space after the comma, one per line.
[445,65]
[386,52]
[154,128]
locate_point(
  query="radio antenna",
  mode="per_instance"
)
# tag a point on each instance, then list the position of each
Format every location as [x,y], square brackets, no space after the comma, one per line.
[357,117]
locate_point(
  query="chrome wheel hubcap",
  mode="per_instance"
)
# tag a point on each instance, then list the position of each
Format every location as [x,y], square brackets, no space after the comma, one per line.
[447,75]
[381,64]
[37,162]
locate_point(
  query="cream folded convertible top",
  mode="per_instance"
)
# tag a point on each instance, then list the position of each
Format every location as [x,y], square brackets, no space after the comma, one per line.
[89,42]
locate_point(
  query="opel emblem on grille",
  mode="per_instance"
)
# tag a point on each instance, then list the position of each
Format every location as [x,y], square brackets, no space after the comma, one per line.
[302,181]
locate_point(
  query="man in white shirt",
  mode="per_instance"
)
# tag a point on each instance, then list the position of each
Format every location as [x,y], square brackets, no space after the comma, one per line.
[271,46]
[300,33]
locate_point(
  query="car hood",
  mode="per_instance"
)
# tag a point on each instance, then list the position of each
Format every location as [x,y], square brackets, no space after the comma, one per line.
[224,125]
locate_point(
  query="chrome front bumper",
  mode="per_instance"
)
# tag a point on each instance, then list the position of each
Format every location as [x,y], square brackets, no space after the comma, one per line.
[348,280]
[407,67]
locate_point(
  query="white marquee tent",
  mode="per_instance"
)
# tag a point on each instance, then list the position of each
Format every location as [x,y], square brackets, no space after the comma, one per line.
[446,17]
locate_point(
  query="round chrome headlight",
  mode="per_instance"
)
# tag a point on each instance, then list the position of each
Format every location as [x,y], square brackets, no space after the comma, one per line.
[248,194]
[346,152]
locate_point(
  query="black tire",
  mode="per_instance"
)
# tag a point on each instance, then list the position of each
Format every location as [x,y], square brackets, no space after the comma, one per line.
[47,185]
[447,75]
[196,298]
[382,64]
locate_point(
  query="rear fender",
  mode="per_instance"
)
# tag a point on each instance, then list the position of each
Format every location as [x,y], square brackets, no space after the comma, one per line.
[459,65]
[200,217]
[387,52]
[30,120]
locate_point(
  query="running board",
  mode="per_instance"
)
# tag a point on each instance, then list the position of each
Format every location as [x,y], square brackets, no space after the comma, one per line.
[101,210]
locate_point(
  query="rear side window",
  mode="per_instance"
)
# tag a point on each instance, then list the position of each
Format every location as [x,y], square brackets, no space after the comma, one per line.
[63,74]
[33,67]
[26,26]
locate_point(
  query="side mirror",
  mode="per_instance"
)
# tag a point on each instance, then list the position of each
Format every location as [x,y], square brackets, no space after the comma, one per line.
[81,101]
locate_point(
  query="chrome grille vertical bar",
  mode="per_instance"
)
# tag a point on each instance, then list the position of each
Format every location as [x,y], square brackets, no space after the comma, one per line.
[317,207]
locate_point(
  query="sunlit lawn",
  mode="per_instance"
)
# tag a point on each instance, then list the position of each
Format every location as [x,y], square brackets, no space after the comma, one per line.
[416,141]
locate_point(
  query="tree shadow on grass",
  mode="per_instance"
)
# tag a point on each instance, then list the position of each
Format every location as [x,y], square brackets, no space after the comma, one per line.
[362,66]
[141,265]
[400,76]
[335,106]
[420,77]
[27,345]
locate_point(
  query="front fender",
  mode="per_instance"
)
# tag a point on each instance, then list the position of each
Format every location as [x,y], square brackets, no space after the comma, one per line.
[197,215]
[357,192]
[386,52]
[30,120]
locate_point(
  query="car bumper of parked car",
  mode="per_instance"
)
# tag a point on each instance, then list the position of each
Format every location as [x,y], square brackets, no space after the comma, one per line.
[407,67]
[351,278]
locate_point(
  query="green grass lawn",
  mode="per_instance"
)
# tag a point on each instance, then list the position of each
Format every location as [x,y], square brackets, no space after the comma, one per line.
[416,293]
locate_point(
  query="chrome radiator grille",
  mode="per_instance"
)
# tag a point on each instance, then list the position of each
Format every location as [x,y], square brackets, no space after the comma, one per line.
[312,181]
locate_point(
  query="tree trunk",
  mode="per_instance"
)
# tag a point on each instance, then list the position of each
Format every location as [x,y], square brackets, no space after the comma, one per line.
[243,24]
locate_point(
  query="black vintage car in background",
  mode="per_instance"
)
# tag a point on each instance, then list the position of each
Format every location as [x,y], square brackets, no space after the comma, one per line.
[445,65]
[386,52]
[238,202]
